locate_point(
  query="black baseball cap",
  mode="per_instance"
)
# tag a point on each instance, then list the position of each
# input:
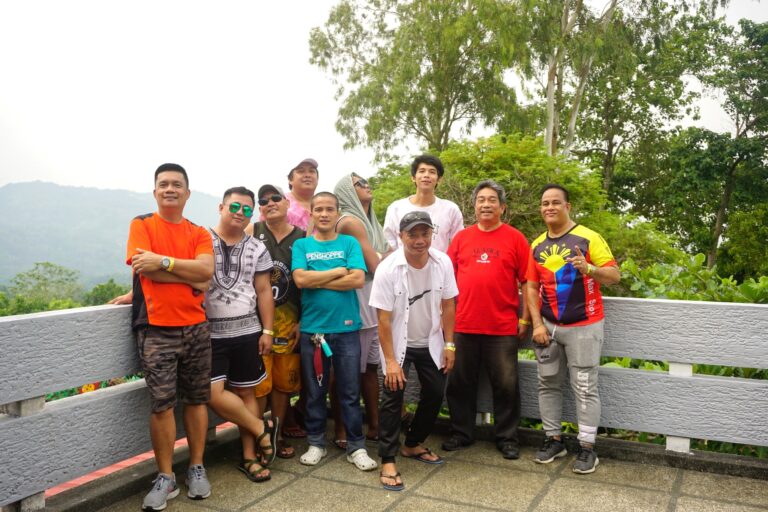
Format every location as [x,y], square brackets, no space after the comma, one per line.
[412,219]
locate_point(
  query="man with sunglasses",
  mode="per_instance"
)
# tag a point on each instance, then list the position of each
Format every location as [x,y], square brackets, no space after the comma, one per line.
[283,364]
[172,261]
[240,310]
[359,220]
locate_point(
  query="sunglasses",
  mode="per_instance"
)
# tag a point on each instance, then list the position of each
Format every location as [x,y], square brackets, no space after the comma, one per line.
[362,183]
[275,198]
[235,207]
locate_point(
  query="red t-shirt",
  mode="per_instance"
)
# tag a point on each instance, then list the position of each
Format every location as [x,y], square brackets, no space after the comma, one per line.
[167,304]
[488,266]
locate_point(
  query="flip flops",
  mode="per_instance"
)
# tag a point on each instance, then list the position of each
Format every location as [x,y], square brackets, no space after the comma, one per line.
[285,450]
[341,444]
[421,457]
[390,487]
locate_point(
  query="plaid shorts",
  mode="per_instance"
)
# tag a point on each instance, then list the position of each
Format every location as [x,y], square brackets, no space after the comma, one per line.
[176,357]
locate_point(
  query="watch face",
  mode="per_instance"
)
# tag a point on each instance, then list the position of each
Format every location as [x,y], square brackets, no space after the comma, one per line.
[165,263]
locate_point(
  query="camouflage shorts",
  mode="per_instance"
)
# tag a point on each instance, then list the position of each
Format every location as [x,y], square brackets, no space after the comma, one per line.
[176,357]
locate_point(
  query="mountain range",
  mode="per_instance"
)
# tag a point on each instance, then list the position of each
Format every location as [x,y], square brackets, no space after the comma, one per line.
[81,228]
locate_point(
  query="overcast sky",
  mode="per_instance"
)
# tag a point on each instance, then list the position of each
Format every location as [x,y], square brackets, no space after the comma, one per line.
[99,93]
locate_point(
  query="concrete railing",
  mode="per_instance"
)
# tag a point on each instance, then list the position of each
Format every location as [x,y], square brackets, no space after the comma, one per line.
[43,445]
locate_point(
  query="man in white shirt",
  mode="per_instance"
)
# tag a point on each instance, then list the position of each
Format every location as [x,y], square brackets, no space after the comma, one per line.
[413,291]
[426,173]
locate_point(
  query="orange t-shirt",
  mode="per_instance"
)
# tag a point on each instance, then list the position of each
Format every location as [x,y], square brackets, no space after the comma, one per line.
[166,304]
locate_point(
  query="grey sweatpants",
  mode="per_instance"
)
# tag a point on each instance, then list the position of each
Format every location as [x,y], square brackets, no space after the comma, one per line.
[580,356]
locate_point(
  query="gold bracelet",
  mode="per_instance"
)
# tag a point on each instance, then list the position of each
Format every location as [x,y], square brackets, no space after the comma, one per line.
[267,331]
[524,321]
[450,346]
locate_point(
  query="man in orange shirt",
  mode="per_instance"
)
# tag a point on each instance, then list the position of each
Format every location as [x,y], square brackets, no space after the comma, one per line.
[172,261]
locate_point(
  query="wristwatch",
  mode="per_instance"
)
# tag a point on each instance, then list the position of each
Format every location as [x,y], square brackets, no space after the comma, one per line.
[167,264]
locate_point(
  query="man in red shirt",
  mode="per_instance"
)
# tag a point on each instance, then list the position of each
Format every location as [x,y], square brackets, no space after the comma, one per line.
[172,261]
[490,260]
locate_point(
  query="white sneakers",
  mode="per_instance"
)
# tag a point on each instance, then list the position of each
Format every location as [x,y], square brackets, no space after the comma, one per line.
[361,460]
[313,456]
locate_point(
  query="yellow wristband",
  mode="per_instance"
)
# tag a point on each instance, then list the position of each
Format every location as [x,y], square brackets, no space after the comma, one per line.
[450,346]
[267,331]
[173,262]
[524,321]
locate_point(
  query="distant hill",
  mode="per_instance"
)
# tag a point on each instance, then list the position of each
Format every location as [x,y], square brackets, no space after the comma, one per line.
[81,228]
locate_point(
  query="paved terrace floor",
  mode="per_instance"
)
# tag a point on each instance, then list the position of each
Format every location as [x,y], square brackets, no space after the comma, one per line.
[476,478]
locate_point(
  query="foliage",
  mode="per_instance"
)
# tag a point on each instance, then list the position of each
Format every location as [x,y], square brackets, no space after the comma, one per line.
[417,68]
[103,293]
[46,282]
[638,86]
[522,166]
[744,252]
[689,279]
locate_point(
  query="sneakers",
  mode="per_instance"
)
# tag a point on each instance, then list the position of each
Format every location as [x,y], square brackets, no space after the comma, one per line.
[586,461]
[455,443]
[198,485]
[313,456]
[361,460]
[551,449]
[164,489]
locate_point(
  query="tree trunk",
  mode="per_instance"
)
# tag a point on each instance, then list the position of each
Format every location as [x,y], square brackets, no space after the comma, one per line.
[722,212]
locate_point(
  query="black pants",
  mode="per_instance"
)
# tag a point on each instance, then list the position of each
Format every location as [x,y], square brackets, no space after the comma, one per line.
[432,382]
[499,355]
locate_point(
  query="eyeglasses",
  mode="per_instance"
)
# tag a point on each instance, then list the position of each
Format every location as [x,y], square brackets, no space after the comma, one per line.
[247,210]
[275,198]
[362,183]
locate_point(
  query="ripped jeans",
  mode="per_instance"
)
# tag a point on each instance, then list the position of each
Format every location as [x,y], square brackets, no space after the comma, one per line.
[580,356]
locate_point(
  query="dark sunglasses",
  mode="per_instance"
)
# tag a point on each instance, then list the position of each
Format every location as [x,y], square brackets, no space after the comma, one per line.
[275,198]
[362,183]
[235,207]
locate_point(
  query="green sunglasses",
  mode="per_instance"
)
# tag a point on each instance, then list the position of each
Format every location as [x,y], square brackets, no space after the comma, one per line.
[247,210]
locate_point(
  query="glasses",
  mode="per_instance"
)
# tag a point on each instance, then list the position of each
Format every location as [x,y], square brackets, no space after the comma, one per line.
[362,183]
[247,210]
[275,198]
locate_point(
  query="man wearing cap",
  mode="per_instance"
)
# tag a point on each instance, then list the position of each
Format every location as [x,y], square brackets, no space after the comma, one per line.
[302,182]
[240,310]
[426,173]
[329,267]
[568,264]
[490,260]
[413,292]
[283,363]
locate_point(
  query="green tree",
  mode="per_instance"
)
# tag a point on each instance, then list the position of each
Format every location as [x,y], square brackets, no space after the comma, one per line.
[521,164]
[46,282]
[638,85]
[422,68]
[744,253]
[104,292]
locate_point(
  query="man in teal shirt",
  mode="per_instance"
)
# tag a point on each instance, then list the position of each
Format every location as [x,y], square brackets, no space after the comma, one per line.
[328,267]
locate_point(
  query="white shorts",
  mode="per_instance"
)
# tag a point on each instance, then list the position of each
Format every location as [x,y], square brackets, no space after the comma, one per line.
[369,348]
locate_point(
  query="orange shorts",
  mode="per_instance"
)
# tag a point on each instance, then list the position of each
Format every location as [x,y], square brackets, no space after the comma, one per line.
[283,373]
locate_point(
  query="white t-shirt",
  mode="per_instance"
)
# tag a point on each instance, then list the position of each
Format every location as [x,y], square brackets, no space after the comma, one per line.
[230,302]
[391,293]
[419,288]
[445,215]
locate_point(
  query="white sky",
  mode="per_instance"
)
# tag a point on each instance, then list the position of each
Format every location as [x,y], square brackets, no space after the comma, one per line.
[99,93]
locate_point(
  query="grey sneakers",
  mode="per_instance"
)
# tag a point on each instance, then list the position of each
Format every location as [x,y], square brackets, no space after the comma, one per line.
[586,461]
[551,449]
[198,485]
[164,489]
